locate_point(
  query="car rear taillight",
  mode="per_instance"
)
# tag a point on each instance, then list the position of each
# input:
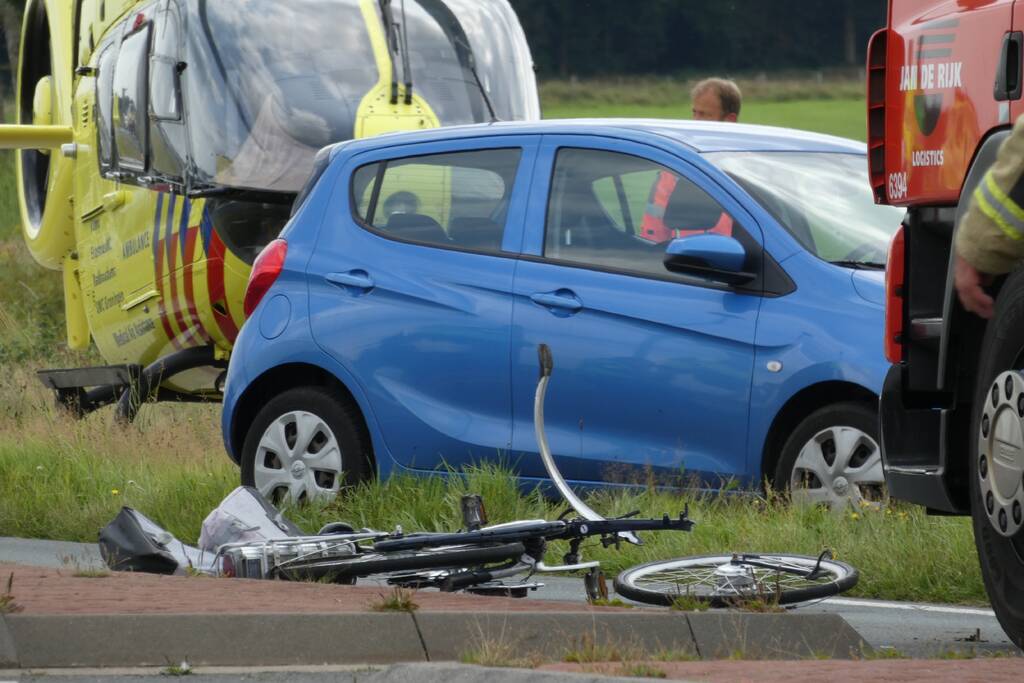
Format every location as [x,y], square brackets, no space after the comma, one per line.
[894,291]
[265,270]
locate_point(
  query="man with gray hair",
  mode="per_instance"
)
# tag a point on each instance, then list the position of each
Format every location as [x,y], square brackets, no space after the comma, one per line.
[716,99]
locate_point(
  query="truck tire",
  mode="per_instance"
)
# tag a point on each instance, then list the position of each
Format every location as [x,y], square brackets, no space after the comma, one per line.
[1002,558]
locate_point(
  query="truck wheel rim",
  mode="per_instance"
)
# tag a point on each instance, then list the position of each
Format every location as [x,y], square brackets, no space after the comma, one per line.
[298,459]
[838,467]
[1000,465]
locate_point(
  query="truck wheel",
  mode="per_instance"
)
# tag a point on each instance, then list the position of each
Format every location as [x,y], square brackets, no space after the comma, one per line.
[997,459]
[832,458]
[303,444]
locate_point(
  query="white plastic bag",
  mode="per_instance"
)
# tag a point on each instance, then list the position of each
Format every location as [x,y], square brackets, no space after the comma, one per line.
[244,516]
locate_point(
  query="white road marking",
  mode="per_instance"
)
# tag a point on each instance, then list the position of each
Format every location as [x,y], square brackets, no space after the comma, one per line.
[910,606]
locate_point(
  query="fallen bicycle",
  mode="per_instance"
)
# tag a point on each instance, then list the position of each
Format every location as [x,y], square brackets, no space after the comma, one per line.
[247,537]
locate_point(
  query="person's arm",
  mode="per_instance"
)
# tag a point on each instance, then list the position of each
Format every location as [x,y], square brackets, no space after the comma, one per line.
[990,238]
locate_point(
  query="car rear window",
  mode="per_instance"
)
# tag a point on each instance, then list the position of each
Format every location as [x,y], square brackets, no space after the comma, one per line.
[457,200]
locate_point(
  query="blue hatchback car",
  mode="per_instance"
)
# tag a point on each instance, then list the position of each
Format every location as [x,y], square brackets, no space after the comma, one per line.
[712,295]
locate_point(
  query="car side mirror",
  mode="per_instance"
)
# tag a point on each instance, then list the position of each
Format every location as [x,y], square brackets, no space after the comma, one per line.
[710,256]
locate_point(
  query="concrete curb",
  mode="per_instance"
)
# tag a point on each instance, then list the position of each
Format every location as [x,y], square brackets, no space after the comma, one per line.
[52,641]
[8,653]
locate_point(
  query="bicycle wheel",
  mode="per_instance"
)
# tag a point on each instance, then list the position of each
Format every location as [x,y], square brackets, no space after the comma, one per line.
[373,562]
[723,580]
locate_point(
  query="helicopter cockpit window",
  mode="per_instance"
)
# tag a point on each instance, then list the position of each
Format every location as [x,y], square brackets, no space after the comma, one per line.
[270,83]
[469,60]
[164,78]
[104,98]
[130,110]
[167,139]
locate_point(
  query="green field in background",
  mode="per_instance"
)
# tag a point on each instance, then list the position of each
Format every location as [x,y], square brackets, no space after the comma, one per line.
[836,117]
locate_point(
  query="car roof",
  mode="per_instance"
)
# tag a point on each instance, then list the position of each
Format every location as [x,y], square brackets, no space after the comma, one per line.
[700,136]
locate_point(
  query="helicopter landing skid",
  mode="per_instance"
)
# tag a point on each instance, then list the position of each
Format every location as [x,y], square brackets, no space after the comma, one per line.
[83,390]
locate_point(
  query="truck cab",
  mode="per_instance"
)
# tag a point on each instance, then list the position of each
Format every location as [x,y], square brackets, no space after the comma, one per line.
[944,82]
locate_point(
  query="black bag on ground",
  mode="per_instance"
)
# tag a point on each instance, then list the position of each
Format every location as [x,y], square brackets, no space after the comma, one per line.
[133,542]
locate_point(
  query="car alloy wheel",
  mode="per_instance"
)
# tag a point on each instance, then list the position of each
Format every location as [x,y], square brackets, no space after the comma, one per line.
[837,467]
[298,457]
[305,443]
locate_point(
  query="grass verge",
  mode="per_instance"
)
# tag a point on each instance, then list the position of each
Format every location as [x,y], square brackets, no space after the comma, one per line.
[65,479]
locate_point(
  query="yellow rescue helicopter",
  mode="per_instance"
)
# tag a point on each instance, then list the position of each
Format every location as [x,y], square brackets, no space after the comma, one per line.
[162,144]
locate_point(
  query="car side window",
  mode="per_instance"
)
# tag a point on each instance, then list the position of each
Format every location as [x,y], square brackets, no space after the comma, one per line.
[104,99]
[457,199]
[130,108]
[618,211]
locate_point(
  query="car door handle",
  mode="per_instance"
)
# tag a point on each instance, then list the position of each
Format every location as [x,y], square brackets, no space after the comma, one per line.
[563,299]
[359,279]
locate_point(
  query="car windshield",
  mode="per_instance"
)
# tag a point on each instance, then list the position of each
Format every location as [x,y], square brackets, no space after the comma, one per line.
[823,199]
[269,83]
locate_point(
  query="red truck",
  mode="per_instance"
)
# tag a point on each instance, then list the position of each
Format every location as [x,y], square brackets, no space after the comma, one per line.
[944,87]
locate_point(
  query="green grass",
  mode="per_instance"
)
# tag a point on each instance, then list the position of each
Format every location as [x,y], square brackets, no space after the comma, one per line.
[825,103]
[9,214]
[642,671]
[7,602]
[398,600]
[835,117]
[64,480]
[31,297]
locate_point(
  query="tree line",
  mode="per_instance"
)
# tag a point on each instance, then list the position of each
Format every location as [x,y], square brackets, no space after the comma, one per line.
[612,37]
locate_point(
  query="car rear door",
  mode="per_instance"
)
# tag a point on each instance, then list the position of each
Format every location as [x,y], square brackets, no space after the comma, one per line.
[652,370]
[411,286]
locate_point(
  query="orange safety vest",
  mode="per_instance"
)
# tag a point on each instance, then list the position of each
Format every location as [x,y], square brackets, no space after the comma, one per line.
[654,229]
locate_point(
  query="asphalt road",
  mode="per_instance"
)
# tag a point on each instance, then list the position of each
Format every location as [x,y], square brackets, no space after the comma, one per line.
[913,629]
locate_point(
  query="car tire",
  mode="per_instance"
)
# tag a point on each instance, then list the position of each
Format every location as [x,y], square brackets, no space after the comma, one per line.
[1001,558]
[303,444]
[833,458]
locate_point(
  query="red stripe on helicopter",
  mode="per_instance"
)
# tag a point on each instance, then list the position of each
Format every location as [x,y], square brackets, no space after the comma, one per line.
[158,263]
[189,314]
[171,245]
[215,284]
[161,308]
[190,299]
